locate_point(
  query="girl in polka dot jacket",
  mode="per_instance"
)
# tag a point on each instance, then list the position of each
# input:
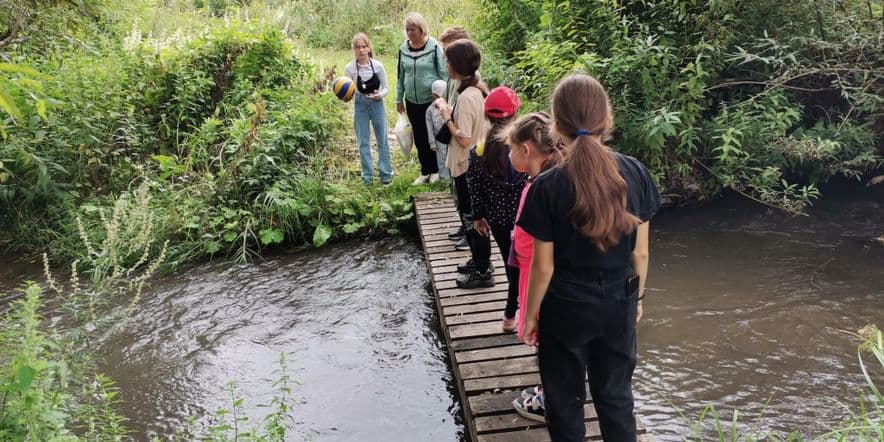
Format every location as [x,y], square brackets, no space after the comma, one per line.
[495,189]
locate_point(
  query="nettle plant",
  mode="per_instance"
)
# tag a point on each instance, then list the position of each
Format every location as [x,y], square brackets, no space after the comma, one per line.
[765,99]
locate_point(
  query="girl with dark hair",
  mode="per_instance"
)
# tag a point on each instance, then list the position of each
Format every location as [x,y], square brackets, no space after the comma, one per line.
[589,218]
[468,125]
[533,150]
[494,190]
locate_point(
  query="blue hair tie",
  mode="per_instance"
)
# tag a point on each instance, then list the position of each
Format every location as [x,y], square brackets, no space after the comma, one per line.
[580,132]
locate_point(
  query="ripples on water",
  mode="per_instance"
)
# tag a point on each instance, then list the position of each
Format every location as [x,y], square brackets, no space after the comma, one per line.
[744,305]
[355,318]
[747,305]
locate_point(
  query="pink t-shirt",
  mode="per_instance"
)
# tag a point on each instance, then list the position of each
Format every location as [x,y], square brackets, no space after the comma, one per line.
[523,250]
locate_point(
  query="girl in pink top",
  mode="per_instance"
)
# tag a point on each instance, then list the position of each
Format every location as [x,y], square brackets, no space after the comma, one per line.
[532,150]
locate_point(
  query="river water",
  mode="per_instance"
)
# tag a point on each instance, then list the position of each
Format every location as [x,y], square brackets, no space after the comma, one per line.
[746,306]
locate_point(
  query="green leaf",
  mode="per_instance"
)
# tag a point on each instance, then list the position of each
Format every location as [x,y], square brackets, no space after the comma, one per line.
[211,247]
[321,235]
[26,377]
[352,227]
[8,105]
[271,236]
[16,69]
[229,236]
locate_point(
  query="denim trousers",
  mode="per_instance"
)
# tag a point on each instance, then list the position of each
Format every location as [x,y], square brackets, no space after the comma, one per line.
[442,160]
[589,331]
[370,112]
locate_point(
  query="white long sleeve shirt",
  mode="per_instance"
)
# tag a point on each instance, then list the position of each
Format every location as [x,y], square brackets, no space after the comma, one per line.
[364,72]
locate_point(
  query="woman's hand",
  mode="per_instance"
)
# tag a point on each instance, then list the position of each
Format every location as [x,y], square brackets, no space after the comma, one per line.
[400,107]
[443,107]
[638,315]
[529,333]
[482,227]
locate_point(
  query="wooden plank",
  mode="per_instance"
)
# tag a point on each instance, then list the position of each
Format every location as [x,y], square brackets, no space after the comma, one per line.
[536,434]
[499,367]
[496,306]
[452,276]
[481,385]
[488,342]
[497,295]
[450,284]
[500,402]
[475,330]
[488,354]
[472,318]
[512,421]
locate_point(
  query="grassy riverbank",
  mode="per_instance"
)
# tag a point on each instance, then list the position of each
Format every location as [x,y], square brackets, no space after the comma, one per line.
[218,113]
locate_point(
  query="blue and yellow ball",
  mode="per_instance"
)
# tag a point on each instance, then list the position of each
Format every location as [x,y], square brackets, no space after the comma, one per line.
[344,88]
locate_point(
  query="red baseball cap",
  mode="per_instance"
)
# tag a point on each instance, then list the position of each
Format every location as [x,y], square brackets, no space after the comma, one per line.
[502,102]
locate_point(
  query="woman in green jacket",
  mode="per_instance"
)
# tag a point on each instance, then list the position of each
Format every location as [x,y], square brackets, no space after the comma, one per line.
[421,62]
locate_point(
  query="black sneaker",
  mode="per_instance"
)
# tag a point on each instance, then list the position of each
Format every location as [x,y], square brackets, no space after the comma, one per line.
[462,245]
[476,279]
[470,266]
[458,234]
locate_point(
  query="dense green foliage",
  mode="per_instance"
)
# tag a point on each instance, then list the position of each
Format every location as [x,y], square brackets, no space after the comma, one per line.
[767,98]
[224,128]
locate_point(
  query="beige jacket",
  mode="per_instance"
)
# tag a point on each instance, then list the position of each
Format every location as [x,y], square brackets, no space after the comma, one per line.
[469,117]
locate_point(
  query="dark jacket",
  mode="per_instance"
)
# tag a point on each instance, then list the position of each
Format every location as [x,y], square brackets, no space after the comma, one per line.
[491,198]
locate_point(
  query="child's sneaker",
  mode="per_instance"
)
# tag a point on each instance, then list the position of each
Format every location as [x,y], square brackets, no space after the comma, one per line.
[509,324]
[470,266]
[530,392]
[476,279]
[531,408]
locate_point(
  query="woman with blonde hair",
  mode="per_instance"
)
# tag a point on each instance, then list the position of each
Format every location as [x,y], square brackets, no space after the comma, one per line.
[589,217]
[421,62]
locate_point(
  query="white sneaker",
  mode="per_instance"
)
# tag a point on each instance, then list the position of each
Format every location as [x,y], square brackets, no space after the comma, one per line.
[434,177]
[420,180]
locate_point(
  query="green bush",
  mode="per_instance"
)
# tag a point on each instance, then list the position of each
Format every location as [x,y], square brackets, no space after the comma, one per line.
[767,99]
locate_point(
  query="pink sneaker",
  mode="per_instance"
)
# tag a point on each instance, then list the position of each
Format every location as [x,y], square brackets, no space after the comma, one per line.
[509,324]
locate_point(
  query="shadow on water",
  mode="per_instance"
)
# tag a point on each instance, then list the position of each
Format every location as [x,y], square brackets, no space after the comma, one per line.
[743,304]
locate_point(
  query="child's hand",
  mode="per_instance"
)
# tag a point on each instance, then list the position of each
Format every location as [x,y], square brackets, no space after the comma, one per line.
[482,227]
[529,333]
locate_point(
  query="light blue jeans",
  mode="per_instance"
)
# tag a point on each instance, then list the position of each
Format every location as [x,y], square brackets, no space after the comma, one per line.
[372,112]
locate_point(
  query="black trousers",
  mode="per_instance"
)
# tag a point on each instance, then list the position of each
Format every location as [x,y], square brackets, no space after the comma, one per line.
[482,256]
[417,117]
[593,335]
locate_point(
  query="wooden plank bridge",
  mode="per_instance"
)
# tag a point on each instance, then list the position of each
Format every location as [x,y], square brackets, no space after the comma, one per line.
[490,367]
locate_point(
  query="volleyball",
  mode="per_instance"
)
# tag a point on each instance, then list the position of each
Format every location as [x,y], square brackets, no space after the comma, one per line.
[344,88]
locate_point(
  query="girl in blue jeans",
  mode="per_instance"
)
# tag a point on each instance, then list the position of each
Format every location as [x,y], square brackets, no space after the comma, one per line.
[371,88]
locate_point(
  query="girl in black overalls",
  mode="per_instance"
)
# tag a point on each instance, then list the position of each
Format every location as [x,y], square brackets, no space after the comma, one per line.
[371,88]
[589,219]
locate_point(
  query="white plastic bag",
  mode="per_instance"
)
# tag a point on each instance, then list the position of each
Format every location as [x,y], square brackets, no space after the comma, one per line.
[402,130]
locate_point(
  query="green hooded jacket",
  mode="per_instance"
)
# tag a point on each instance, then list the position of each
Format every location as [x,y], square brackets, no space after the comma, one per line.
[418,70]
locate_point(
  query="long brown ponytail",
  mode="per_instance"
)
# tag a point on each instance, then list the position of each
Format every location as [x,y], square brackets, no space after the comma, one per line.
[582,114]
